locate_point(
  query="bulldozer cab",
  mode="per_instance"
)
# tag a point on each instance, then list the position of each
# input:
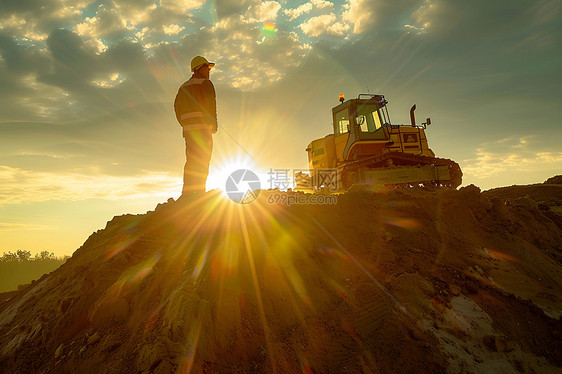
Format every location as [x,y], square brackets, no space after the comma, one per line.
[362,118]
[365,148]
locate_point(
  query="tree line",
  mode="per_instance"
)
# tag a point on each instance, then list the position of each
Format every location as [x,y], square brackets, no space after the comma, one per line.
[20,267]
[21,255]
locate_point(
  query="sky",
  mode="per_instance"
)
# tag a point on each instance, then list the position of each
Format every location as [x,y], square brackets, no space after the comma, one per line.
[87,127]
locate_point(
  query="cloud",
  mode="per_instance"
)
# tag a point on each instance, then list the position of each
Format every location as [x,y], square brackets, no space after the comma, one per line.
[511,155]
[321,4]
[145,19]
[9,7]
[305,8]
[13,55]
[316,26]
[34,20]
[73,63]
[360,14]
[244,58]
[181,6]
[173,29]
[110,81]
[266,11]
[466,23]
[298,11]
[126,56]
[19,186]
[385,16]
[20,59]
[134,12]
[228,8]
[338,28]
[107,22]
[324,24]
[25,227]
[235,39]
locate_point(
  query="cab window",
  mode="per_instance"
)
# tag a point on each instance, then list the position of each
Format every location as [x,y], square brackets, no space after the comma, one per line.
[342,122]
[368,118]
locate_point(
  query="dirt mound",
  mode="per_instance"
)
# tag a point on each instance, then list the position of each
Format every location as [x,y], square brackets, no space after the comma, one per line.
[546,196]
[383,281]
[554,180]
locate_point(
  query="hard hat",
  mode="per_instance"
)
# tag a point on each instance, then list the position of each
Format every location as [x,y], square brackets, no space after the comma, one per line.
[199,61]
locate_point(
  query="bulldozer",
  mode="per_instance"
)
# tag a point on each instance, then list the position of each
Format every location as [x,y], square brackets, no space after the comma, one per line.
[365,148]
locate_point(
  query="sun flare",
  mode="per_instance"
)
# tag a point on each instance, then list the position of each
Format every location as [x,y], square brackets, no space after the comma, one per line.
[221,169]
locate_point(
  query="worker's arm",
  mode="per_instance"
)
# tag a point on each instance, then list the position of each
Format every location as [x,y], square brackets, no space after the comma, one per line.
[211,103]
[180,103]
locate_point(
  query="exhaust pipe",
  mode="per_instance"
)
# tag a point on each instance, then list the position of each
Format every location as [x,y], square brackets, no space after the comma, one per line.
[412,116]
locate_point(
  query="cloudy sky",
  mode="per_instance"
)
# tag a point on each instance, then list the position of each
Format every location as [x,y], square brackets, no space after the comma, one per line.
[87,128]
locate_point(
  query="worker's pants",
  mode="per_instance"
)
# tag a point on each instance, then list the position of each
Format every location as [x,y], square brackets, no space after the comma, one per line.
[198,149]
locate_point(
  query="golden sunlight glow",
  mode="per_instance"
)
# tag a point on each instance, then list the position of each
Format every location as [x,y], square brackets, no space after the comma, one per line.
[221,169]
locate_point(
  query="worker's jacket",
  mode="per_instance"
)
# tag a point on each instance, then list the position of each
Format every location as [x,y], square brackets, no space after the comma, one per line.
[196,105]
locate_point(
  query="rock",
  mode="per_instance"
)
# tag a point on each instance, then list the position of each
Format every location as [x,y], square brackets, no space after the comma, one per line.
[94,339]
[503,344]
[110,343]
[58,352]
[181,309]
[455,290]
[163,353]
[490,343]
[498,343]
[184,307]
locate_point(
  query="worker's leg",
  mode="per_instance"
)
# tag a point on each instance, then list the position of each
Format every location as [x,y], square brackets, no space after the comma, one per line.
[198,147]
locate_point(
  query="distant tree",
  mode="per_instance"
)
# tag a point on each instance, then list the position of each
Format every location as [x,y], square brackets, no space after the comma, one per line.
[23,255]
[45,255]
[8,257]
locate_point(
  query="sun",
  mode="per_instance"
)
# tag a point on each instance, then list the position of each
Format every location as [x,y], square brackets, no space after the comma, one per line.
[222,168]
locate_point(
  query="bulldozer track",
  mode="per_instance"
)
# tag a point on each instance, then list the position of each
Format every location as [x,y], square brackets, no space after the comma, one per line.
[406,160]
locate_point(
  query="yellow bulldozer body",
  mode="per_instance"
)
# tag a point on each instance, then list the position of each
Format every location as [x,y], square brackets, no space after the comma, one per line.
[365,148]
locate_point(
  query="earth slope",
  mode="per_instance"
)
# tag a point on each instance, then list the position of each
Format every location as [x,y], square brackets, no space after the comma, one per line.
[383,281]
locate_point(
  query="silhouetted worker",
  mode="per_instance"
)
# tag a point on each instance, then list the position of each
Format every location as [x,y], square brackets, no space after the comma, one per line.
[196,111]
